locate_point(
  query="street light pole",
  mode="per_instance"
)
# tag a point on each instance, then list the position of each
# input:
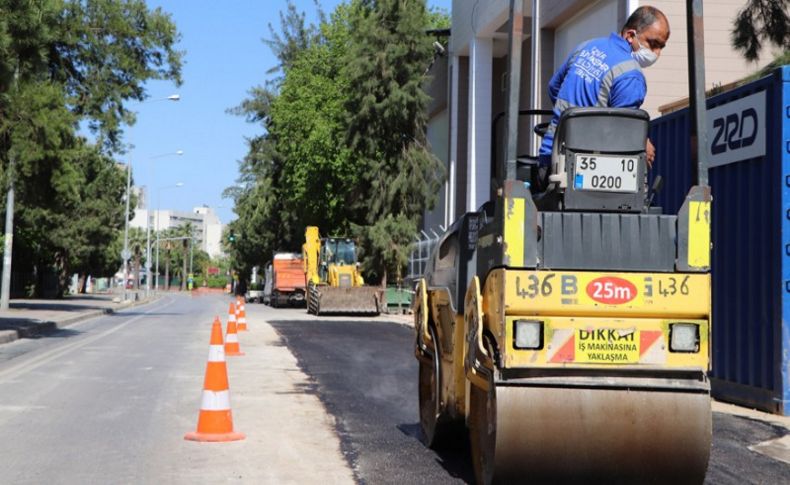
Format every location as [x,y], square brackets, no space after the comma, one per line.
[8,242]
[148,230]
[191,254]
[126,254]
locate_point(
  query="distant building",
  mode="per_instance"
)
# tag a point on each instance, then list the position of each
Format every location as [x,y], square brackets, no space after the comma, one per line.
[206,224]
[212,230]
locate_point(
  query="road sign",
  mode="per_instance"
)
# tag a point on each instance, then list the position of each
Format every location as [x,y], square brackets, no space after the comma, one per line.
[126,254]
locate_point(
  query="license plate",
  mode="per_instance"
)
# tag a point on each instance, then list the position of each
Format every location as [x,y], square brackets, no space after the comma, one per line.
[607,345]
[605,173]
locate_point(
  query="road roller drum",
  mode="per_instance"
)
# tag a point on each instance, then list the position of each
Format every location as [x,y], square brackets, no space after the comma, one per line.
[575,435]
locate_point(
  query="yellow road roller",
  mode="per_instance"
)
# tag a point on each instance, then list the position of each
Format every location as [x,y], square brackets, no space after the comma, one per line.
[569,330]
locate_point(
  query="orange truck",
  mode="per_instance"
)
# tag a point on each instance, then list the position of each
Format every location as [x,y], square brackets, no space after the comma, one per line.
[285,283]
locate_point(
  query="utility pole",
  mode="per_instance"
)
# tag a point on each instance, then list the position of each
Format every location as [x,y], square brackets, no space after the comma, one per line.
[125,254]
[8,246]
[5,290]
[191,253]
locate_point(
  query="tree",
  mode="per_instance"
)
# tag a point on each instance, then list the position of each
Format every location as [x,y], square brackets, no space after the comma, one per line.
[99,53]
[265,220]
[295,37]
[386,246]
[758,22]
[200,262]
[185,231]
[93,235]
[344,144]
[319,172]
[176,244]
[63,64]
[137,245]
[387,109]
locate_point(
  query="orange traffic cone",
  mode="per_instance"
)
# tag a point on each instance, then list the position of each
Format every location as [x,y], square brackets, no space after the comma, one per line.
[215,422]
[241,317]
[232,312]
[232,340]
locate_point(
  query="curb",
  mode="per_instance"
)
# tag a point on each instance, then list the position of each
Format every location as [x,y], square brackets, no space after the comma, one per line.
[40,327]
[406,320]
[8,336]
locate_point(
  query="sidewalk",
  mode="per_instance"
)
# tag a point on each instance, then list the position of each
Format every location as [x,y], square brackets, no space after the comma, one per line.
[28,318]
[291,438]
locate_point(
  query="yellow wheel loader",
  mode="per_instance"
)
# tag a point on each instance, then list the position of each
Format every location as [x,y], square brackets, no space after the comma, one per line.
[568,331]
[334,282]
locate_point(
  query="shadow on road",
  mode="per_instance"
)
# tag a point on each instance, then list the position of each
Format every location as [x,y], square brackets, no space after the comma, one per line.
[33,328]
[54,306]
[455,458]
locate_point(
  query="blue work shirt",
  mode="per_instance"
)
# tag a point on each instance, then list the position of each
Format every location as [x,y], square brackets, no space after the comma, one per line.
[599,72]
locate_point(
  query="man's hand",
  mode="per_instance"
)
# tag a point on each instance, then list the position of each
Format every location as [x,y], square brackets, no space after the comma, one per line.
[651,153]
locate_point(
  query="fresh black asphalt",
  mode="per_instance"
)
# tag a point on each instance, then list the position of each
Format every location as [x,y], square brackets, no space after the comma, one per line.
[365,373]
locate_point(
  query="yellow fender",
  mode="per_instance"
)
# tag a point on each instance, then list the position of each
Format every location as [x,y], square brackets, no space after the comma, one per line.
[425,346]
[478,363]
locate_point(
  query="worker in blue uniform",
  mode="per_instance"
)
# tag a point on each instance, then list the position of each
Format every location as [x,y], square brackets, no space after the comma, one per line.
[607,72]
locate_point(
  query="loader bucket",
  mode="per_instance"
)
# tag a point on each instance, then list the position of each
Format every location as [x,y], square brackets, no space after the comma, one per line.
[361,300]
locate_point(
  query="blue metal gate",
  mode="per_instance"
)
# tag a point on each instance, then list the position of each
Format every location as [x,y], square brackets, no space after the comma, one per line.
[749,155]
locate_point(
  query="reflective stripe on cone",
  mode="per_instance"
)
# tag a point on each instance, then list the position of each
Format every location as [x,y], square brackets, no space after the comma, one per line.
[215,421]
[232,347]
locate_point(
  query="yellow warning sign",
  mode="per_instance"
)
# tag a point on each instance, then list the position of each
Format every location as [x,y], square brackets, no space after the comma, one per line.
[607,346]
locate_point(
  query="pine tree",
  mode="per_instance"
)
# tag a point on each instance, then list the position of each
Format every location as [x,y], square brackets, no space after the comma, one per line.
[761,21]
[387,108]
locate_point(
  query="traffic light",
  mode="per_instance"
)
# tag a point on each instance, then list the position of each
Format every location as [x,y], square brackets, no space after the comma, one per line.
[232,237]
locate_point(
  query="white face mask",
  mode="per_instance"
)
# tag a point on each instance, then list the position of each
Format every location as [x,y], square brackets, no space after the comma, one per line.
[644,56]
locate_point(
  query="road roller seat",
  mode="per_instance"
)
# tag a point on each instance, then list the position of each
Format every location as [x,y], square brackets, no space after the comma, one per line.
[610,136]
[452,264]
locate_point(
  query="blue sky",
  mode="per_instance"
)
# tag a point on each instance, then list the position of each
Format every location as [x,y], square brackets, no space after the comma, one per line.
[225,57]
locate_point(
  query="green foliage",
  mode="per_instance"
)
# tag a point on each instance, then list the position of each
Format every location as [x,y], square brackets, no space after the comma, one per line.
[99,53]
[758,22]
[295,36]
[385,246]
[388,117]
[200,261]
[62,64]
[174,252]
[266,221]
[438,18]
[216,281]
[308,124]
[344,145]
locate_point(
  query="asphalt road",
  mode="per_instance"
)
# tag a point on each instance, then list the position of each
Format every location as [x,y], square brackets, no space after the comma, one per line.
[109,401]
[366,375]
[91,402]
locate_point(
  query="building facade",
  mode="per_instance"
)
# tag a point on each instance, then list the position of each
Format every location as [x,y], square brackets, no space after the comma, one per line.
[207,228]
[469,83]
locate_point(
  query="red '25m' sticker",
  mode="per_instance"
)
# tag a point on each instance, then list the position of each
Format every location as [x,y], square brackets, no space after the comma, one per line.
[611,290]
